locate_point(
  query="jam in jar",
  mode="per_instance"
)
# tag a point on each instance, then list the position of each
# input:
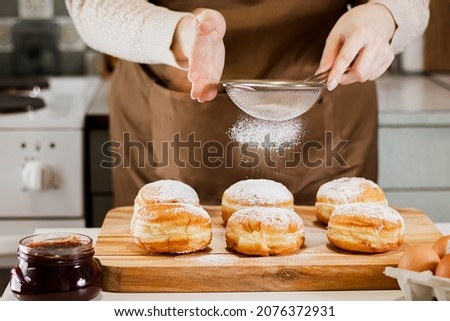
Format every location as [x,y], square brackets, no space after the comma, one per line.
[57,266]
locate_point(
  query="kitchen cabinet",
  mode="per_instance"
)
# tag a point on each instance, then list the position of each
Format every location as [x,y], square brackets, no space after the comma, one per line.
[414,142]
[437,42]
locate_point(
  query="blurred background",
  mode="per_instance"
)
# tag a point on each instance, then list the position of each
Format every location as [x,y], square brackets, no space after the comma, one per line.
[38,37]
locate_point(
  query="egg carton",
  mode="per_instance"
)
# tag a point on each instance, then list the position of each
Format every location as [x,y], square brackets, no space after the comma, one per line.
[420,286]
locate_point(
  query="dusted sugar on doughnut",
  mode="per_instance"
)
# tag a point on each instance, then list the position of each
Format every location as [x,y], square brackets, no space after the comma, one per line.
[264,231]
[346,190]
[255,192]
[166,191]
[366,227]
[171,228]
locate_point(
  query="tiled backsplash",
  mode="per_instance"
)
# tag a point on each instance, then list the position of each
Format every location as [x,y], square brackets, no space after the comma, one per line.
[73,57]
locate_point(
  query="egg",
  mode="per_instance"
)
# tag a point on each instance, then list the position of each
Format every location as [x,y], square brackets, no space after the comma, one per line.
[419,257]
[441,245]
[443,268]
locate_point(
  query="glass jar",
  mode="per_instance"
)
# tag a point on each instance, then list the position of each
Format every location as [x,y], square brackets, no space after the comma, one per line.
[57,266]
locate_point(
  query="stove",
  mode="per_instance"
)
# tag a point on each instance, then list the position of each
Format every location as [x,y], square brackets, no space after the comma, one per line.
[41,165]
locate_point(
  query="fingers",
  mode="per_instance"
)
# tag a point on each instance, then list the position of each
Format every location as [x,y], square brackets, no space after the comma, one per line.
[370,64]
[331,50]
[203,92]
[360,68]
[205,72]
[209,21]
[369,57]
[207,56]
[359,40]
[350,49]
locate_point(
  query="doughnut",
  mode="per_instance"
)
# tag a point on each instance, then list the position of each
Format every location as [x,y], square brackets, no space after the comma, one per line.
[255,192]
[264,231]
[346,190]
[171,228]
[366,227]
[166,191]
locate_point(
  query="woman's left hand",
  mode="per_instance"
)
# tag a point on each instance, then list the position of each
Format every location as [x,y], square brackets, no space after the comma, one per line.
[198,41]
[359,40]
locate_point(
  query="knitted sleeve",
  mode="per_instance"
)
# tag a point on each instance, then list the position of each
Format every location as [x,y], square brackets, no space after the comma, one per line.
[133,30]
[411,17]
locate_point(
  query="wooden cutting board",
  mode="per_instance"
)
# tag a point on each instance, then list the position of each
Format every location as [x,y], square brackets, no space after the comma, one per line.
[318,265]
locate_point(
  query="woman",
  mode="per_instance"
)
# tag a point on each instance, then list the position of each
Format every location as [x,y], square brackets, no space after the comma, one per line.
[168,121]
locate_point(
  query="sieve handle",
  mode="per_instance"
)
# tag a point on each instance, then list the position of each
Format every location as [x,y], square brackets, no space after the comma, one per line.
[321,78]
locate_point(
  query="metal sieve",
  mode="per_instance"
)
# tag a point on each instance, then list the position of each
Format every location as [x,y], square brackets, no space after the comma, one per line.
[276,100]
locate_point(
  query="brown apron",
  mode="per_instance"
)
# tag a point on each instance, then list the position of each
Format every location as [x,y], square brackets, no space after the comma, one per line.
[160,133]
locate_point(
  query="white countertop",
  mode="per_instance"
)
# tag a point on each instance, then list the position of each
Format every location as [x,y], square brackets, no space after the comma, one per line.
[67,101]
[100,105]
[443,79]
[412,94]
[413,100]
[382,295]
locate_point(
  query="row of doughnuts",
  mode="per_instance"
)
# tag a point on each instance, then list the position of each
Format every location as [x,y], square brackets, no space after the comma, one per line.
[358,217]
[260,219]
[167,218]
[354,209]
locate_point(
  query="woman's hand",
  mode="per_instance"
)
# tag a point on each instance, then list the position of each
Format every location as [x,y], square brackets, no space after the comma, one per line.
[361,36]
[198,46]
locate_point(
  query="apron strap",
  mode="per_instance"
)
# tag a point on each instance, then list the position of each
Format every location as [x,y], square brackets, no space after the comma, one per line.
[152,75]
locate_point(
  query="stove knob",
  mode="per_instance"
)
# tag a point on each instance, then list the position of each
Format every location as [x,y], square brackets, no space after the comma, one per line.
[37,176]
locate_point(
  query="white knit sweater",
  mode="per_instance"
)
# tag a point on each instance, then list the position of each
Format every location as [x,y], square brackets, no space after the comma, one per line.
[139,31]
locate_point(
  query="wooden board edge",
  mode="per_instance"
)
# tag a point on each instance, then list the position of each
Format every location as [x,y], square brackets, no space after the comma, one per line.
[239,279]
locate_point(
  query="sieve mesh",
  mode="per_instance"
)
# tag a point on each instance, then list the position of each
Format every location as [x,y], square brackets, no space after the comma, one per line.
[276,104]
[276,100]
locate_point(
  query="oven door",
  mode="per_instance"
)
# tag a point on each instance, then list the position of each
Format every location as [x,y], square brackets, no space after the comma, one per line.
[42,174]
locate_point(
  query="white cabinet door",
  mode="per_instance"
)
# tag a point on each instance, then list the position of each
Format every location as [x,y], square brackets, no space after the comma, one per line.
[414,168]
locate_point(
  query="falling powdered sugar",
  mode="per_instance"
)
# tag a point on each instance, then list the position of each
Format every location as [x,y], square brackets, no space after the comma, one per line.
[265,133]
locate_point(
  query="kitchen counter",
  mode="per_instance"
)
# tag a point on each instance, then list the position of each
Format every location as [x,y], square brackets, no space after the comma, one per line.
[382,295]
[413,100]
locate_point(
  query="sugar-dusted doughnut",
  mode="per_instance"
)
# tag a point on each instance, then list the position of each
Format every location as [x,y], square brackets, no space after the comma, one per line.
[264,231]
[171,228]
[165,191]
[366,227]
[255,192]
[346,190]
